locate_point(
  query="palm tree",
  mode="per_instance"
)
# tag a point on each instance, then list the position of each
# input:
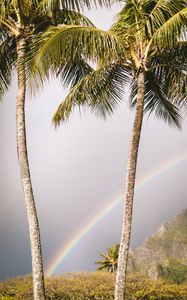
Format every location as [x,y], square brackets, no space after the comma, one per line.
[20,22]
[110,259]
[146,49]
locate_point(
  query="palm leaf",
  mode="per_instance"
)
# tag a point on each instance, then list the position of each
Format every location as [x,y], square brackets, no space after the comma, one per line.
[6,8]
[128,19]
[101,90]
[173,28]
[73,71]
[75,4]
[71,17]
[7,60]
[64,43]
[171,67]
[156,99]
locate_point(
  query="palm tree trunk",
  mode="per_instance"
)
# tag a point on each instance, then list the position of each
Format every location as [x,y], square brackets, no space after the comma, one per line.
[37,267]
[121,275]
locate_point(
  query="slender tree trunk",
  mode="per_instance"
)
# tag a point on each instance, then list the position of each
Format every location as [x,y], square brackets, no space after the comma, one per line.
[121,275]
[37,267]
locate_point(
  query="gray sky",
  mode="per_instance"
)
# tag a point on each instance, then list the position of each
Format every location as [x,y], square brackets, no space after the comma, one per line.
[78,169]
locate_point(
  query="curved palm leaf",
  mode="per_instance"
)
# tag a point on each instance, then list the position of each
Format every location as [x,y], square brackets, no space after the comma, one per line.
[75,4]
[66,16]
[166,22]
[156,99]
[6,8]
[101,90]
[64,42]
[158,12]
[171,67]
[61,16]
[73,71]
[41,23]
[69,46]
[7,60]
[128,21]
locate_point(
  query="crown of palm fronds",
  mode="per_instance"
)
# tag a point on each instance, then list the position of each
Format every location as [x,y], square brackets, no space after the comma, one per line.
[110,260]
[34,17]
[147,34]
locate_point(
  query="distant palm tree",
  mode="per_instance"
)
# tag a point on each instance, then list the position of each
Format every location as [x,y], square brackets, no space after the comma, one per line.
[146,49]
[110,259]
[20,22]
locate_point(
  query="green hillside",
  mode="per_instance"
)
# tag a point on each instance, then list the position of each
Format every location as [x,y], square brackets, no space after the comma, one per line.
[164,254]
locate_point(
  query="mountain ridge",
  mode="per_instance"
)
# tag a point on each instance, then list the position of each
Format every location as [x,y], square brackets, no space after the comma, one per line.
[166,248]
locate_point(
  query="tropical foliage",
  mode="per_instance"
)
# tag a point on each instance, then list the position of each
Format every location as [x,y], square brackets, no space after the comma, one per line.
[141,38]
[110,261]
[35,17]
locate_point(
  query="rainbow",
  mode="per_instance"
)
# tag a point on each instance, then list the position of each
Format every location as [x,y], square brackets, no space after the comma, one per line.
[71,244]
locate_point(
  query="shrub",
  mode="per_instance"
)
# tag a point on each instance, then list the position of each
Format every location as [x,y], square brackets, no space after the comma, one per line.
[93,286]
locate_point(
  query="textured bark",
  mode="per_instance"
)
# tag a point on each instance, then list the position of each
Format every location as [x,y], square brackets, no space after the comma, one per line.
[129,192]
[37,267]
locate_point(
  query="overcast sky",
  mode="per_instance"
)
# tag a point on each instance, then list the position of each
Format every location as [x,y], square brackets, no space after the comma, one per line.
[77,170]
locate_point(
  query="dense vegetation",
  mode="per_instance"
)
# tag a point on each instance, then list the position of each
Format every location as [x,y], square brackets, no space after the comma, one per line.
[175,271]
[93,286]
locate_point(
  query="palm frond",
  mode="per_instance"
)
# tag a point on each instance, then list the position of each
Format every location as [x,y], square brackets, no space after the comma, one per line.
[110,259]
[71,17]
[171,29]
[171,67]
[101,90]
[63,43]
[6,8]
[127,20]
[77,5]
[157,100]
[73,71]
[7,61]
